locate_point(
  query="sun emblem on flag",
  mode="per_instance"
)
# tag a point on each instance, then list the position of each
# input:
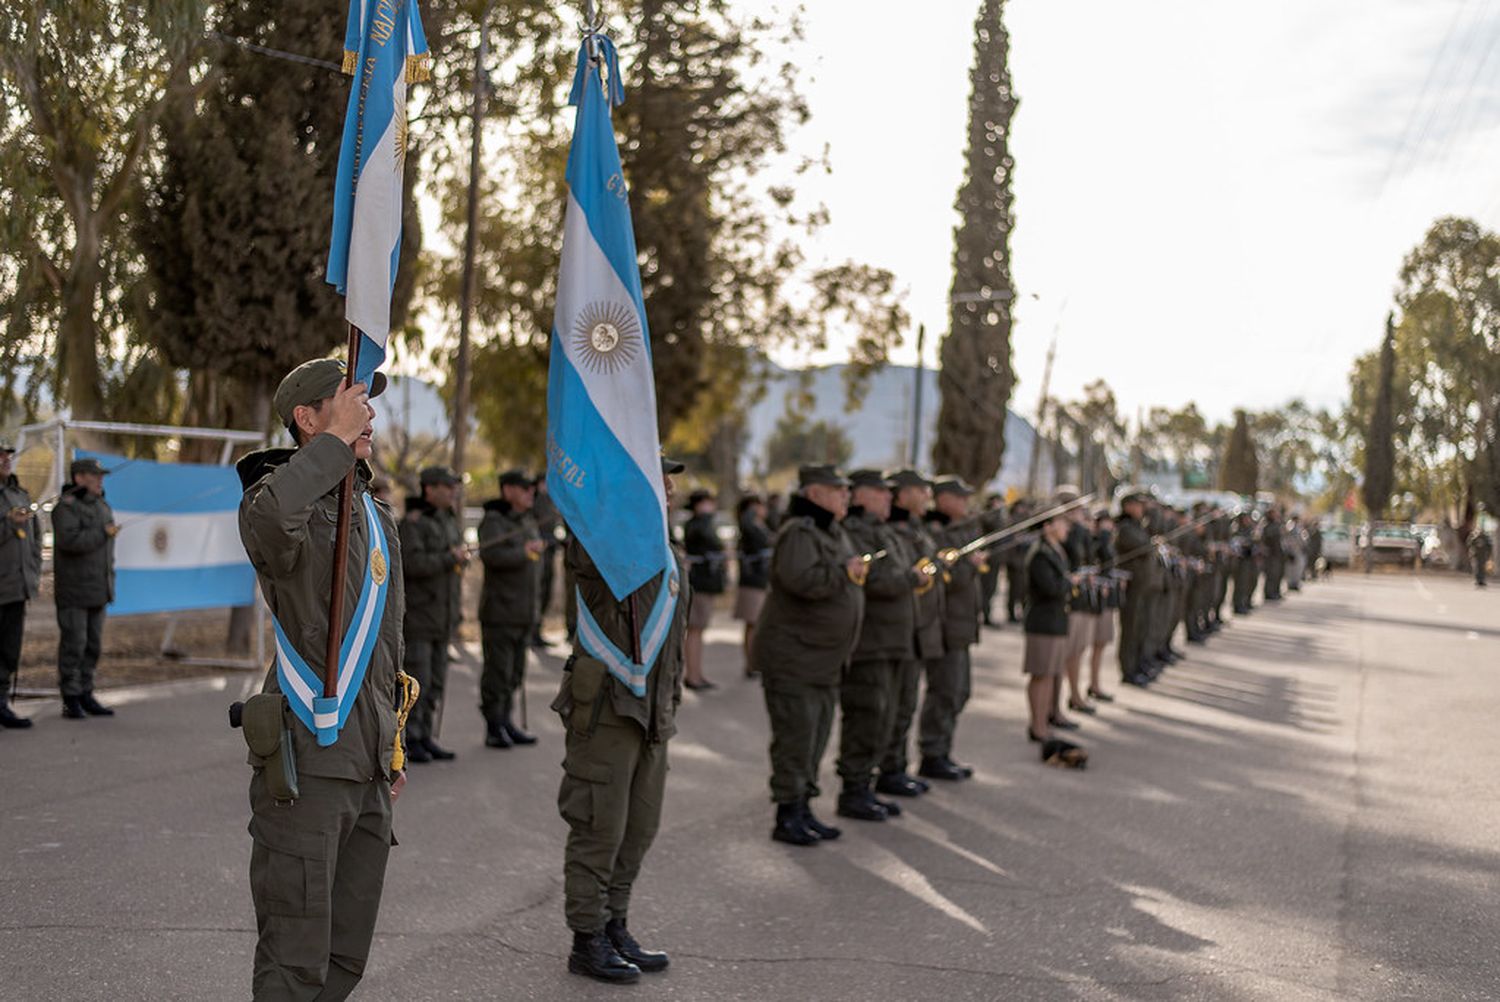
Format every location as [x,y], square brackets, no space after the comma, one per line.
[400,136]
[606,336]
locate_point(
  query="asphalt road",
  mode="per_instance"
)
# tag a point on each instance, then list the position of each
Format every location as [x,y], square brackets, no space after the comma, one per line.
[1306,809]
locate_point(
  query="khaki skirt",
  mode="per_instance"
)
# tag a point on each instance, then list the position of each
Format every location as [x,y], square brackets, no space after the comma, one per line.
[1104,628]
[1080,633]
[747,604]
[1045,655]
[701,611]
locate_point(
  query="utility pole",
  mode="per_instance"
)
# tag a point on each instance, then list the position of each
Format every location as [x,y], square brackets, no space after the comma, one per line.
[466,307]
[1041,419]
[916,418]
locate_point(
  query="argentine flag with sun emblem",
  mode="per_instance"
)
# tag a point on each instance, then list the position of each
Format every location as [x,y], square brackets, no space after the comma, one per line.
[384,50]
[604,468]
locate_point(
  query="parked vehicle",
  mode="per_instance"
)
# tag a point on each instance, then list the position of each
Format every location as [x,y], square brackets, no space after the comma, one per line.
[1338,545]
[1390,543]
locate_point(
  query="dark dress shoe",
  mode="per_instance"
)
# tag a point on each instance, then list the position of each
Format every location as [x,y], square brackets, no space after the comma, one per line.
[73,709]
[825,832]
[518,736]
[936,768]
[861,806]
[649,961]
[594,956]
[93,707]
[704,686]
[417,753]
[1140,680]
[897,784]
[892,809]
[438,752]
[497,739]
[964,771]
[1100,697]
[9,720]
[790,827]
[1063,723]
[1082,708]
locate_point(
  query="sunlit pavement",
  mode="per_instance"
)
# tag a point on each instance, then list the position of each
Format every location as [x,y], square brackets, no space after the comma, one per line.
[1306,808]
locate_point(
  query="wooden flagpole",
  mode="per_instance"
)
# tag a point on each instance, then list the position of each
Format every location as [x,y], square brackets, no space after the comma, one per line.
[340,551]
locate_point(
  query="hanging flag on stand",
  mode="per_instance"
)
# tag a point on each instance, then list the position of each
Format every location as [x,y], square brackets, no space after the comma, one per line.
[603,449]
[384,50]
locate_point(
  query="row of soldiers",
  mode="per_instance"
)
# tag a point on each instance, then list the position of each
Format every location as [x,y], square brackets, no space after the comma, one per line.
[83,533]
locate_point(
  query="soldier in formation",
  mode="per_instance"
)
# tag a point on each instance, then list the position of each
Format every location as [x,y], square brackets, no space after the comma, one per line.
[20,578]
[83,580]
[433,563]
[949,676]
[513,552]
[1480,551]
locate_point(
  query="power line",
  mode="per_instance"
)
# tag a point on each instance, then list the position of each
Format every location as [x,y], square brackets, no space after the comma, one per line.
[290,57]
[1411,121]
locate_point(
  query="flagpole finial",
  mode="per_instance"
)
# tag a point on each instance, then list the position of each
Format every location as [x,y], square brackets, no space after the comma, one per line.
[593,24]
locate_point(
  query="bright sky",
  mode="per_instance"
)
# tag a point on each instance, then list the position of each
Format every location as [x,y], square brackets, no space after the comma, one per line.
[1212,199]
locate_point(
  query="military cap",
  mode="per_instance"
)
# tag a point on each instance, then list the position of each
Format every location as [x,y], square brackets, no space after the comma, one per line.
[698,494]
[89,465]
[820,473]
[671,466]
[908,478]
[952,485]
[517,478]
[1135,494]
[869,478]
[434,475]
[315,380]
[6,445]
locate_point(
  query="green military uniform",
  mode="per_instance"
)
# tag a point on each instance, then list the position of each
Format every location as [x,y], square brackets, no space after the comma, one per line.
[867,690]
[929,647]
[803,642]
[615,765]
[434,578]
[1137,557]
[83,575]
[509,612]
[948,677]
[1480,550]
[1275,555]
[1242,545]
[317,864]
[20,578]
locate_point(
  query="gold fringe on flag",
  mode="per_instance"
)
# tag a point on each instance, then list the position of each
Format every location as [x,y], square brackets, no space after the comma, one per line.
[419,68]
[351,61]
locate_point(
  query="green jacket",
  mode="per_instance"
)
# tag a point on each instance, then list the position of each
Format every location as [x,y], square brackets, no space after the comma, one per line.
[889,628]
[963,598]
[512,594]
[1133,543]
[812,616]
[921,543]
[83,552]
[656,713]
[288,518]
[434,577]
[20,547]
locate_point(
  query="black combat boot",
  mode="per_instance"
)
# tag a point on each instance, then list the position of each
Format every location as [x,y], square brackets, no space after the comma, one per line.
[790,826]
[496,736]
[416,751]
[892,809]
[964,771]
[594,956]
[93,707]
[73,709]
[9,720]
[649,961]
[516,735]
[935,767]
[897,784]
[858,802]
[437,751]
[825,832]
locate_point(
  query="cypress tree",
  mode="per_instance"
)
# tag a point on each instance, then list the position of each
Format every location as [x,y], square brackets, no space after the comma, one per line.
[1240,471]
[975,375]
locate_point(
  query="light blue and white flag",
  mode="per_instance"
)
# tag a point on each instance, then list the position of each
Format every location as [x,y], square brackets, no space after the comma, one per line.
[179,542]
[384,50]
[603,450]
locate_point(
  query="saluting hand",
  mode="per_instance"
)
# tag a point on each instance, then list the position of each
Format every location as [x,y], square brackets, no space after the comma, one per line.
[351,412]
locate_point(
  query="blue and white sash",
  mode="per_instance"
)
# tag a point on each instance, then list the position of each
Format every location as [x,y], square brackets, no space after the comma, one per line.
[596,644]
[325,715]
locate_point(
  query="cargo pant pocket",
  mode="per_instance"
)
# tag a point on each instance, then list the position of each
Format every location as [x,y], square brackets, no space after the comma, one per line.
[289,872]
[582,790]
